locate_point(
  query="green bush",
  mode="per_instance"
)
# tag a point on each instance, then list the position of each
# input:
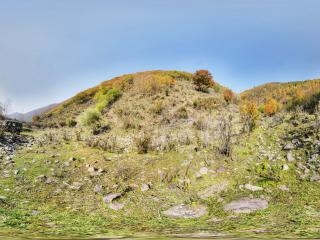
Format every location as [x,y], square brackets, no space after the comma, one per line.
[105,97]
[71,122]
[90,117]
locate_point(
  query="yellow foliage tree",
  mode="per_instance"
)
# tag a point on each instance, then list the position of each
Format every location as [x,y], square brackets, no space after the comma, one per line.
[271,106]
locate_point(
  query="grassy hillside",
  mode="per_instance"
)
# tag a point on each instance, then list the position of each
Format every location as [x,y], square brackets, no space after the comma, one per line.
[129,152]
[288,95]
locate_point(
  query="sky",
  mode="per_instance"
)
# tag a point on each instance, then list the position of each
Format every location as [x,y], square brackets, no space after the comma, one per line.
[52,49]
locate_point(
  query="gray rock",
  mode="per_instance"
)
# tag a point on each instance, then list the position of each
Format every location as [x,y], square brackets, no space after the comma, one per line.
[76,186]
[246,205]
[315,177]
[283,188]
[285,167]
[145,187]
[116,206]
[252,187]
[203,170]
[111,196]
[290,157]
[213,189]
[98,188]
[288,146]
[185,211]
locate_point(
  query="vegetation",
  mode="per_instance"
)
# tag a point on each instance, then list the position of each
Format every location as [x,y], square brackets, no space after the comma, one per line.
[202,79]
[161,144]
[90,117]
[250,115]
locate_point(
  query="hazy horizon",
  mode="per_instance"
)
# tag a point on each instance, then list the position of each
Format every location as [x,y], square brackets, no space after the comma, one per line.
[51,50]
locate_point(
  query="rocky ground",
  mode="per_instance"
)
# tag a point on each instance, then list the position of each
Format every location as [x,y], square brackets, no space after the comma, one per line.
[58,184]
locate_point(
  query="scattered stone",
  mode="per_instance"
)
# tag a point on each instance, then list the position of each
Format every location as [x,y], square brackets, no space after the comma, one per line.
[145,187]
[72,159]
[288,146]
[213,189]
[252,187]
[203,171]
[285,167]
[283,188]
[315,177]
[76,186]
[246,205]
[98,188]
[116,206]
[111,197]
[185,211]
[290,157]
[3,199]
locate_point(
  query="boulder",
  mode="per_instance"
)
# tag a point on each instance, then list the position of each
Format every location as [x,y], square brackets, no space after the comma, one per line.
[252,187]
[246,205]
[111,196]
[185,211]
[213,189]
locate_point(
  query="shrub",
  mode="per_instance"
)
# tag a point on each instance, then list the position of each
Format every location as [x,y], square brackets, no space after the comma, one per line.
[181,113]
[71,122]
[158,107]
[35,118]
[153,83]
[228,95]
[225,128]
[105,97]
[271,106]
[206,103]
[203,80]
[250,115]
[143,143]
[90,117]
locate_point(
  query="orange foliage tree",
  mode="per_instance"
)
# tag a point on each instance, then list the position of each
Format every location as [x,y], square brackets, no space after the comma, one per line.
[203,80]
[228,95]
[271,106]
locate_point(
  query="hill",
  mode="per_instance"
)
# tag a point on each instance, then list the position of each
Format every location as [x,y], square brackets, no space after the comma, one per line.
[27,117]
[150,152]
[288,95]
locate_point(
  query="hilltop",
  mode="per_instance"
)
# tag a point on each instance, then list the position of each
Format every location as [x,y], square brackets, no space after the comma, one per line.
[153,152]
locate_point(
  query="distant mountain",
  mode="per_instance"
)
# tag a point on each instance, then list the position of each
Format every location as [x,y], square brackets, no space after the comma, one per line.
[27,117]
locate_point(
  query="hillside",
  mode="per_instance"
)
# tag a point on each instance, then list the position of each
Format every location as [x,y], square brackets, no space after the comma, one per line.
[149,152]
[288,95]
[27,117]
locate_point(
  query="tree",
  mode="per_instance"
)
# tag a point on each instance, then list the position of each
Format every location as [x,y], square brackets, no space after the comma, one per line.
[228,95]
[203,80]
[250,115]
[271,106]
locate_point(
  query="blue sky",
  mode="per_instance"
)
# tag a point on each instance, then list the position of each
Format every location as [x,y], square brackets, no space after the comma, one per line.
[52,49]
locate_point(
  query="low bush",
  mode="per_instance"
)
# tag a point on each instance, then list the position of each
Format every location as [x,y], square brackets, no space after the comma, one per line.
[90,117]
[143,143]
[71,122]
[105,97]
[181,113]
[209,103]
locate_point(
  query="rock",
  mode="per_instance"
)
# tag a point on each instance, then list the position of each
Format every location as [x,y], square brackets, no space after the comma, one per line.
[285,167]
[246,205]
[213,189]
[252,187]
[112,196]
[283,188]
[72,159]
[76,186]
[41,178]
[116,206]
[290,157]
[315,177]
[49,180]
[145,187]
[95,171]
[203,171]
[98,188]
[3,199]
[185,211]
[288,146]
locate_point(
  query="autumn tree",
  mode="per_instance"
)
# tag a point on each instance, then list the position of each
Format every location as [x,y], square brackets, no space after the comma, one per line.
[250,114]
[228,95]
[271,106]
[203,80]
